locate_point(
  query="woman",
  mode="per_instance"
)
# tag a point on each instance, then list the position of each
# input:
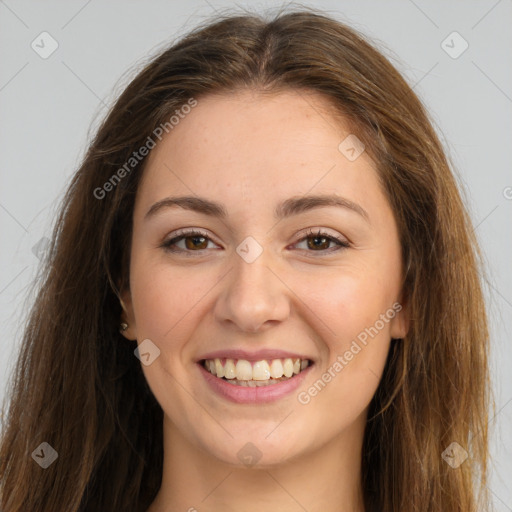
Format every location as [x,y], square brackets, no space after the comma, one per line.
[262,290]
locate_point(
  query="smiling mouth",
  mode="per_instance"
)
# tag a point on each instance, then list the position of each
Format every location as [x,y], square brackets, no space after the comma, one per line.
[241,372]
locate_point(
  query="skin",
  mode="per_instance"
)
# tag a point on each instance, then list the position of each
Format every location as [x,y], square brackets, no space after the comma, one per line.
[250,152]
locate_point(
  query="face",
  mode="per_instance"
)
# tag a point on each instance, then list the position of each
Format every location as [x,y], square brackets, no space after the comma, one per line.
[277,277]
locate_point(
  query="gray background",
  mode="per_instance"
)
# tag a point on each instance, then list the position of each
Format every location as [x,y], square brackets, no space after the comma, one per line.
[50,107]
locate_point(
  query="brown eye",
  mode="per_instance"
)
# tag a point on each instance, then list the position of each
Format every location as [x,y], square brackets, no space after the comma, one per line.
[194,241]
[319,241]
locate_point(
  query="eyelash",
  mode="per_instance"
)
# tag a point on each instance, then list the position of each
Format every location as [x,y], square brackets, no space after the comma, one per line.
[167,245]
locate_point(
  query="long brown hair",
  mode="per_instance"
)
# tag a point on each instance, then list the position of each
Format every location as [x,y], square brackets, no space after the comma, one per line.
[78,386]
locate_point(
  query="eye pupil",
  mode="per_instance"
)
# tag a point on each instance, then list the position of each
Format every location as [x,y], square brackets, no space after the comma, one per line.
[192,245]
[316,238]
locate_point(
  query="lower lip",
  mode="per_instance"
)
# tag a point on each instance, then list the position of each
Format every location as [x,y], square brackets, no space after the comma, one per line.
[256,395]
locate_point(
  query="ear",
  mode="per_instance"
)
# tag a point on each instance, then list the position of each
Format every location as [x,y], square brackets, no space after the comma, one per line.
[127,315]
[400,322]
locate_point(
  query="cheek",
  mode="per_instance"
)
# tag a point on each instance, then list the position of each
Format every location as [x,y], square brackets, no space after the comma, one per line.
[346,304]
[351,315]
[355,362]
[165,298]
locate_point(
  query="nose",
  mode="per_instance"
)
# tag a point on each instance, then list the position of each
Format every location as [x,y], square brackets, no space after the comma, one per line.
[254,296]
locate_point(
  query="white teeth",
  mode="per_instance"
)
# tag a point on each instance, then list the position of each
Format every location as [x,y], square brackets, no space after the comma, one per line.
[255,374]
[243,370]
[276,369]
[219,370]
[261,371]
[255,383]
[229,369]
[287,367]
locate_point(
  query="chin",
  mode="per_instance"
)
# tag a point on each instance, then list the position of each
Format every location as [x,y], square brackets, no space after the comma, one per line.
[255,449]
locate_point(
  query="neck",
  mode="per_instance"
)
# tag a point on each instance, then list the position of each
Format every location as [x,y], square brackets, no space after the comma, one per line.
[326,479]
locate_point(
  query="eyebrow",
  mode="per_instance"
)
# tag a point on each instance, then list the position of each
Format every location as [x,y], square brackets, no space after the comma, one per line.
[287,208]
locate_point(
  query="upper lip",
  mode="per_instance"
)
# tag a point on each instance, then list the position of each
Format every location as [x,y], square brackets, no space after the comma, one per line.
[253,356]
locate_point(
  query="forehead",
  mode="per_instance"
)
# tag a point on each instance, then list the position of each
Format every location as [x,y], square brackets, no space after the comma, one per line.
[287,121]
[256,146]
